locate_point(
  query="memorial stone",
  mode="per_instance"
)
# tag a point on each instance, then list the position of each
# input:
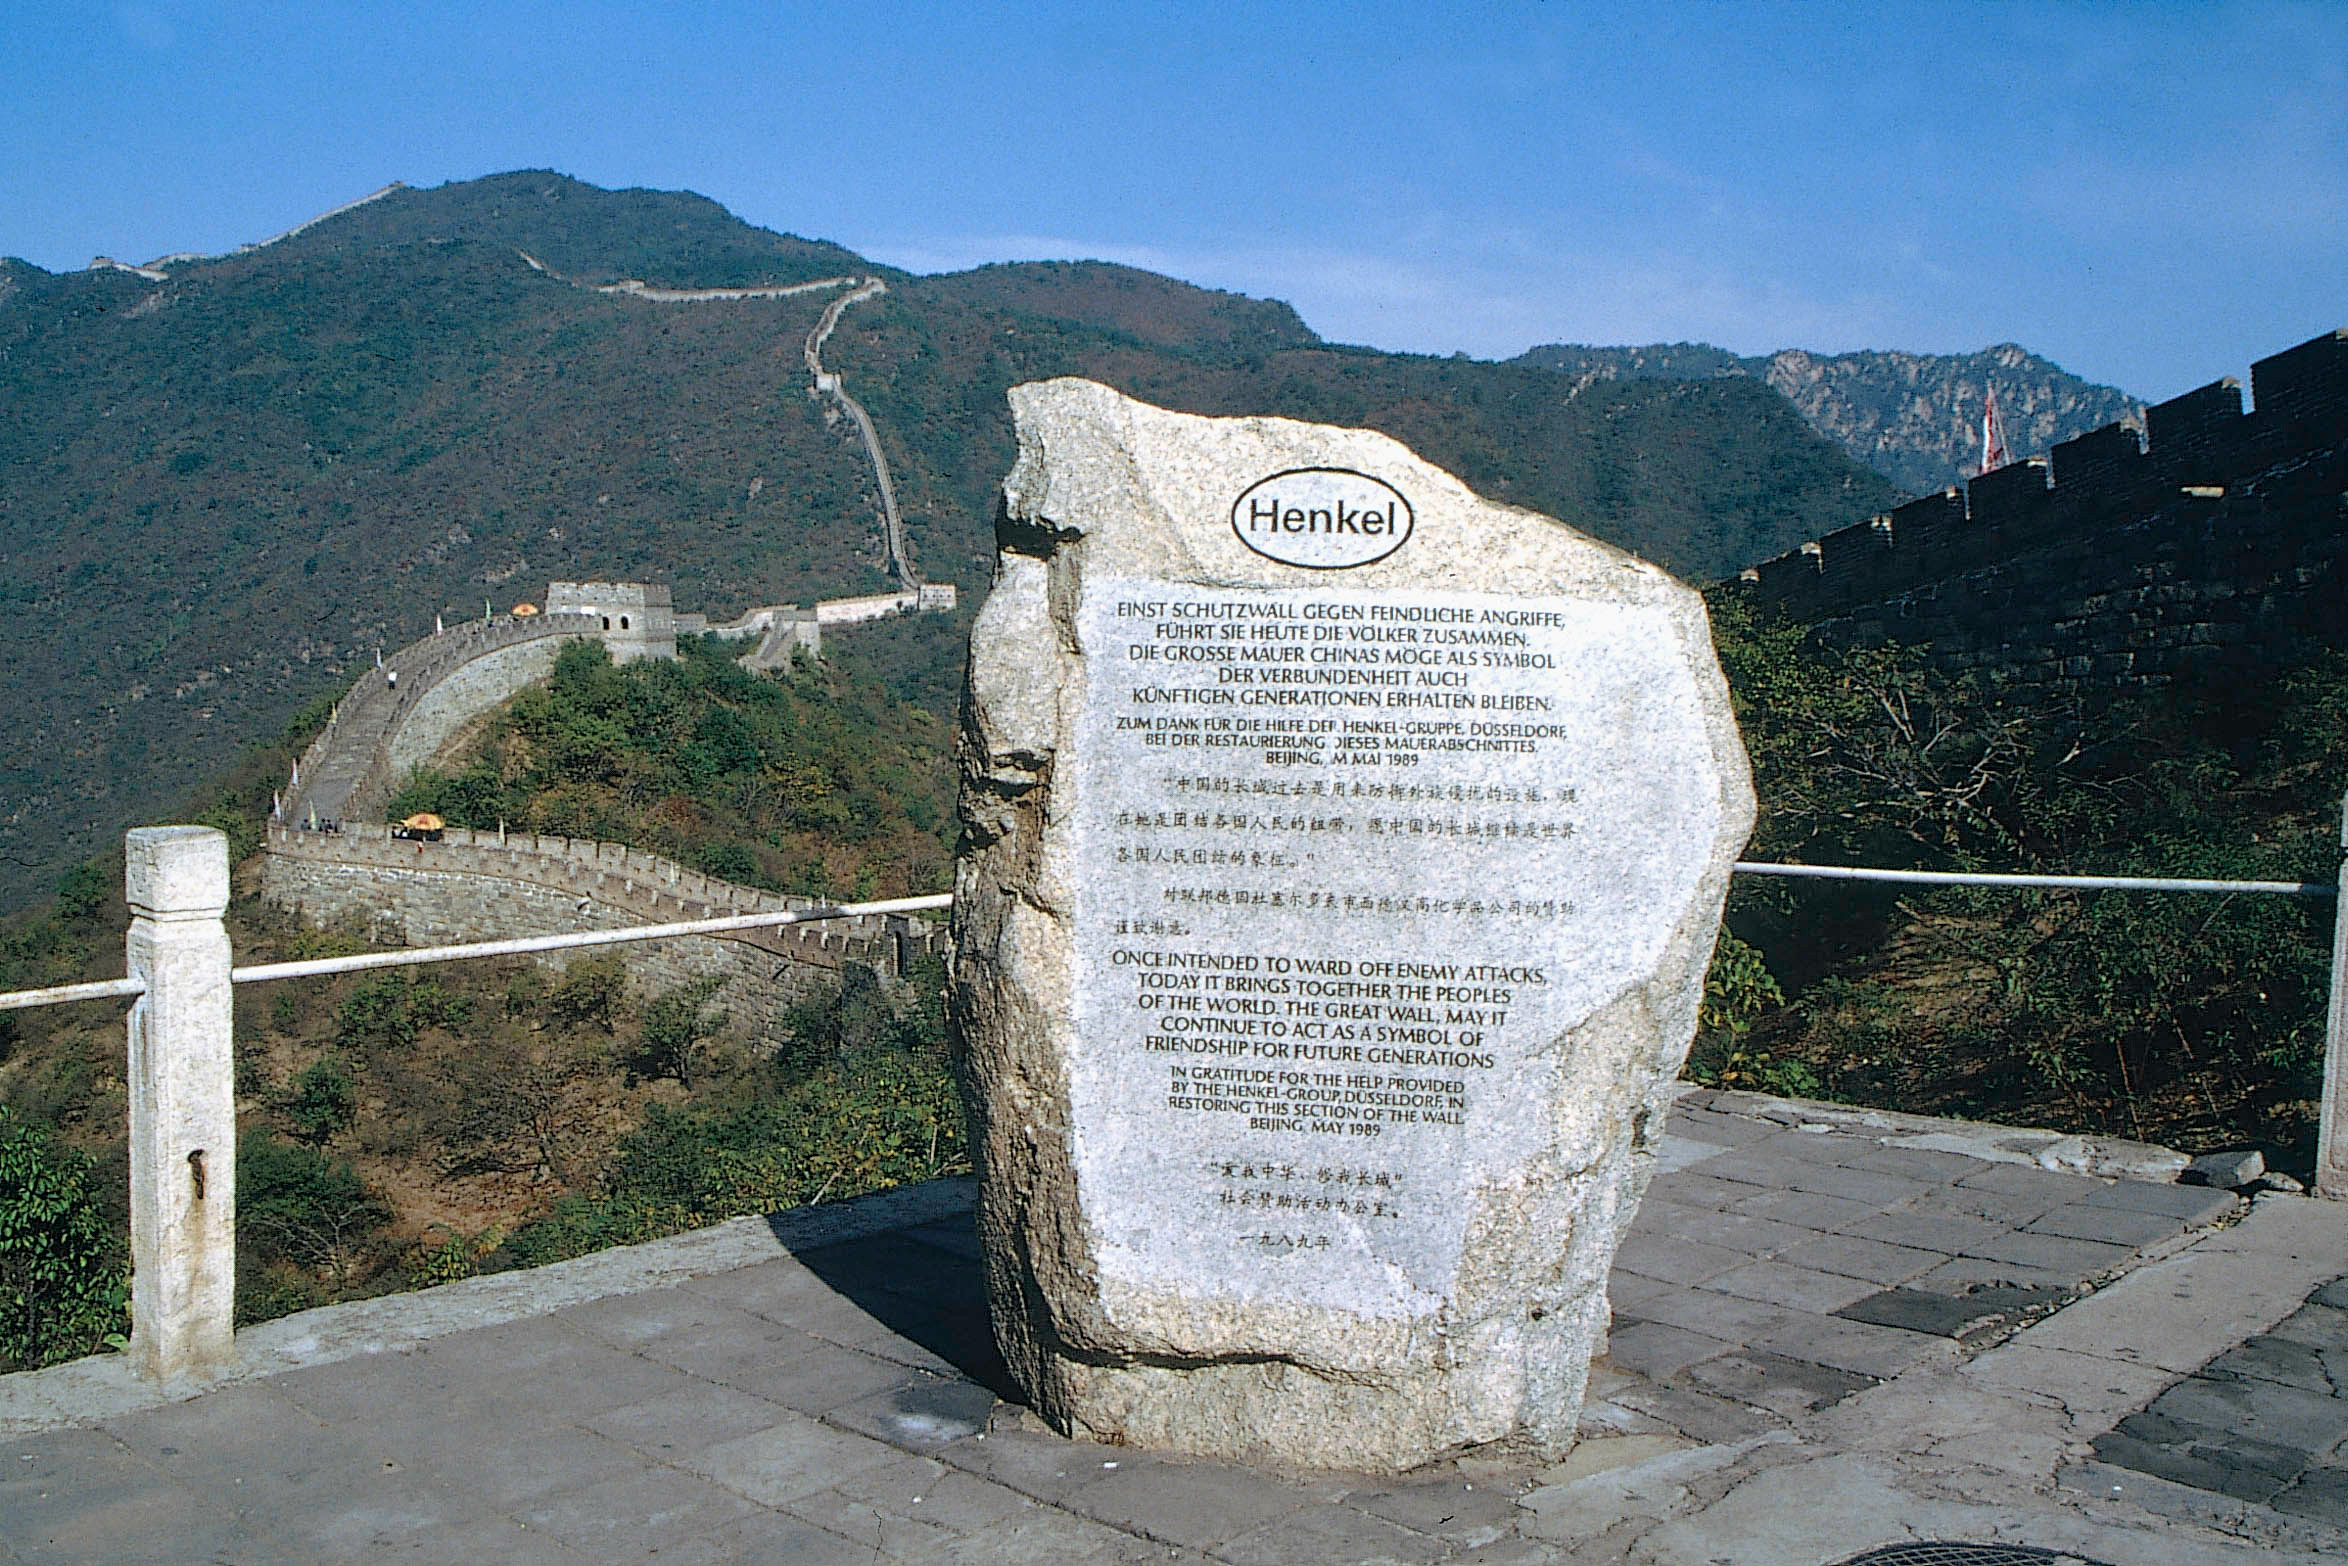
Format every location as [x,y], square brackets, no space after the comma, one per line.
[1343,858]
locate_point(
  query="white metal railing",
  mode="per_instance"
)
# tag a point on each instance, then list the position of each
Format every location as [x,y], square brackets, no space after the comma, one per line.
[183,1108]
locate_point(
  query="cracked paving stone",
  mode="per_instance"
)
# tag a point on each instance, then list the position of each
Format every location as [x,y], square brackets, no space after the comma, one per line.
[1790,1387]
[1958,1316]
[2219,1461]
[2279,1360]
[2320,1493]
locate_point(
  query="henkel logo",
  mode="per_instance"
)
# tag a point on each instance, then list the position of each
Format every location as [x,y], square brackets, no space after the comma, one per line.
[1324,519]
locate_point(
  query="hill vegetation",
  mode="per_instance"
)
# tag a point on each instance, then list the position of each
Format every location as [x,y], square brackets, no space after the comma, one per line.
[823,784]
[2191,1020]
[221,494]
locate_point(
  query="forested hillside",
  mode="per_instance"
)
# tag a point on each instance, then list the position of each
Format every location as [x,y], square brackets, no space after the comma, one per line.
[222,492]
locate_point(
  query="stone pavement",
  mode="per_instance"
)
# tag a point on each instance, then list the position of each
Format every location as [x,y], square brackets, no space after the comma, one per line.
[1835,1331]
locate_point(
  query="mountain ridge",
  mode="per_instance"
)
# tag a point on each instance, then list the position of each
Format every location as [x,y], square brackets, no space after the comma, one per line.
[1913,417]
[229,487]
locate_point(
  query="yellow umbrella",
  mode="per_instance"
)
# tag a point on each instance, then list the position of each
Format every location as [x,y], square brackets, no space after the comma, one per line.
[424,821]
[524,609]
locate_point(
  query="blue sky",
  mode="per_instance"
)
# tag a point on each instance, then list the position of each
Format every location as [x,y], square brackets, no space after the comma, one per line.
[2152,195]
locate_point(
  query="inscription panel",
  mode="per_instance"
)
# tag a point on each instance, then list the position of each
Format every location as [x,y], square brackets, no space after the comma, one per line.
[1349,864]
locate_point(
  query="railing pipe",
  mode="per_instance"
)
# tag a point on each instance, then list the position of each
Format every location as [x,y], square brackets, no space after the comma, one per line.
[59,994]
[2089,883]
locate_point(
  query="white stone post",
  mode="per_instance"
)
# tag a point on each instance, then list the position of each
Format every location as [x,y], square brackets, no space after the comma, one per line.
[182,1105]
[2331,1146]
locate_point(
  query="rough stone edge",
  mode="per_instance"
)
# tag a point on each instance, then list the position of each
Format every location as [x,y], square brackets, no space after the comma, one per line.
[2111,1158]
[83,1391]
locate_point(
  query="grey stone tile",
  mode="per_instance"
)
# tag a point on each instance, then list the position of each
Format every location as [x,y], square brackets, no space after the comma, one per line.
[886,1532]
[2273,1359]
[2318,1326]
[1948,1315]
[1671,1260]
[1197,1505]
[1803,1209]
[2200,1456]
[1858,1185]
[1624,1291]
[654,1508]
[1857,1346]
[1658,1351]
[942,1497]
[2333,1294]
[520,1467]
[2111,1225]
[920,1416]
[1699,1124]
[2030,1180]
[1929,1232]
[2307,1422]
[1737,1232]
[775,1289]
[553,1369]
[787,1460]
[677,1423]
[156,1522]
[351,1511]
[1726,1316]
[2006,1209]
[476,1543]
[2195,1204]
[1877,1261]
[1787,1387]
[1044,1467]
[1049,1538]
[632,1321]
[1700,1416]
[1688,1188]
[1916,1163]
[957,1235]
[2074,1259]
[1796,1288]
[1447,1508]
[2319,1493]
[1330,1533]
[247,1431]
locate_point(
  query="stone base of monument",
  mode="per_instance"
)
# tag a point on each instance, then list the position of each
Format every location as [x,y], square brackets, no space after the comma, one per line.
[1343,858]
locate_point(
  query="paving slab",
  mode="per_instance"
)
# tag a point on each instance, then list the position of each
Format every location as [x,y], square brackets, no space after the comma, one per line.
[1799,1314]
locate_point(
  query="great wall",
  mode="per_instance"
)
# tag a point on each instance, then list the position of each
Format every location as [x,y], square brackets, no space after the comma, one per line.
[331,859]
[2211,547]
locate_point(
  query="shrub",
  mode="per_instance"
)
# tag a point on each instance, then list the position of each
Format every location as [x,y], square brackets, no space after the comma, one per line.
[64,1288]
[294,1204]
[592,990]
[324,1101]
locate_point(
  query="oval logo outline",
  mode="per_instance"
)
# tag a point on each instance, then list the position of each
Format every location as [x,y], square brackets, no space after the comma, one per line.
[1382,520]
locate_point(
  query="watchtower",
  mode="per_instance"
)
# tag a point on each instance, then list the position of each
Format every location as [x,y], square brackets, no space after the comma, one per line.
[639,620]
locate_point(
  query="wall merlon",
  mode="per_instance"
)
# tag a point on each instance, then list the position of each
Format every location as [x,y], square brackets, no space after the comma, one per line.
[2303,385]
[2110,459]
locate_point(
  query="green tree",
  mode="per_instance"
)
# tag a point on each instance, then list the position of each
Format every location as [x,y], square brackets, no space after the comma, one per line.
[64,1289]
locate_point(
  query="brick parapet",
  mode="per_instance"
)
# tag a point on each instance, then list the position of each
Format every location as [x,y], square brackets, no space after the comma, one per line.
[2226,507]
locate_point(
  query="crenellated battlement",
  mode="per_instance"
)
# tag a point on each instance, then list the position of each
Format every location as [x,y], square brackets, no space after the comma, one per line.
[2059,570]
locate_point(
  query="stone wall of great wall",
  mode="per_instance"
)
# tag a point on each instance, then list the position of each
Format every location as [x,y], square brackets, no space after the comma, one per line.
[480,886]
[2210,547]
[484,886]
